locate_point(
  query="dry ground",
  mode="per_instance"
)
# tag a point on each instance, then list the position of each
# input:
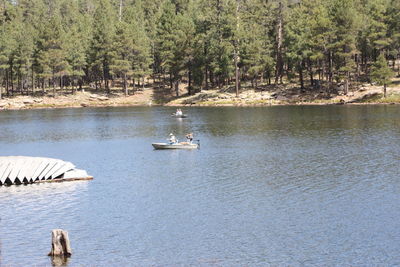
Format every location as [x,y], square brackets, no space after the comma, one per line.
[262,95]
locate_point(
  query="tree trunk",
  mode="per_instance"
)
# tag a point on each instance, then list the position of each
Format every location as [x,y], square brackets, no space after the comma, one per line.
[310,70]
[190,82]
[43,91]
[236,74]
[279,38]
[54,85]
[384,90]
[237,81]
[164,79]
[206,77]
[12,79]
[301,75]
[60,245]
[106,76]
[120,11]
[176,84]
[7,87]
[108,88]
[125,87]
[19,81]
[33,81]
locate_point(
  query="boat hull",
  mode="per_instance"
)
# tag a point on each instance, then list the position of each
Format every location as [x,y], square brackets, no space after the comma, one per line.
[174,146]
[179,116]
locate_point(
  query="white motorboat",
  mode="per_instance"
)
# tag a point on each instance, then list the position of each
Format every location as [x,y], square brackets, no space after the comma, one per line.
[179,115]
[180,145]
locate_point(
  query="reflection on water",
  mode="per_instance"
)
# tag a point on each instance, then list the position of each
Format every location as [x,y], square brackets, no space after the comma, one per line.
[57,261]
[270,186]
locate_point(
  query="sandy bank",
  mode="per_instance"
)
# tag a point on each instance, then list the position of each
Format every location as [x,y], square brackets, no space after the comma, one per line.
[79,99]
[288,94]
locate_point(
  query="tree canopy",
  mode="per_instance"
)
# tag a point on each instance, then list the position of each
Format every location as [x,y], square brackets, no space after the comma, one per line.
[109,43]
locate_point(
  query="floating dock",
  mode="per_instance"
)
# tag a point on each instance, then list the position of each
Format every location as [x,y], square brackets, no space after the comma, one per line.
[26,170]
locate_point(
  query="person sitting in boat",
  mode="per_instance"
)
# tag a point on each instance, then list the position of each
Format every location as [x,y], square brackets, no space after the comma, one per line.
[172,139]
[179,112]
[189,138]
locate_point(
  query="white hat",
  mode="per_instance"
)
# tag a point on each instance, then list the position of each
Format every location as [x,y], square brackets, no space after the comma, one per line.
[171,134]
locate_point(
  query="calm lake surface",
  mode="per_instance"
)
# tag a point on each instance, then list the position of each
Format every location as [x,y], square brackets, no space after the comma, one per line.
[279,186]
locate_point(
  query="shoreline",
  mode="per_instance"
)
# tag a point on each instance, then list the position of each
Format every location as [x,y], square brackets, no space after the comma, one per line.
[233,105]
[210,98]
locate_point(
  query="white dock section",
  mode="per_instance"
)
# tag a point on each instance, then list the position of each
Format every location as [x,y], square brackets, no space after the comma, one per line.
[24,170]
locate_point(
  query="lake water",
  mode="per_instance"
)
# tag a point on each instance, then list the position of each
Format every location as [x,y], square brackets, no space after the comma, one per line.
[272,186]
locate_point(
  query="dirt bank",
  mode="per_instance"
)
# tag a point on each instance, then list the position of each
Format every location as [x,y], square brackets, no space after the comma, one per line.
[290,94]
[79,99]
[265,95]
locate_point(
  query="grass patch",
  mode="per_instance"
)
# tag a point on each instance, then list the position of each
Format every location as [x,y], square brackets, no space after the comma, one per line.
[260,102]
[214,103]
[378,98]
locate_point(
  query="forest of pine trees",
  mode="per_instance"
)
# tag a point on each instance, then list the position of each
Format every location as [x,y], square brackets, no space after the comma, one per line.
[50,45]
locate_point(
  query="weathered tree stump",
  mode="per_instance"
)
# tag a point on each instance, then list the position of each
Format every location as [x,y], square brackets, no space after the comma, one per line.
[60,245]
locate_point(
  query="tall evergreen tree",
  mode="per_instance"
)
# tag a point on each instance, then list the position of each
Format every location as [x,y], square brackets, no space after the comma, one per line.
[393,21]
[256,45]
[345,22]
[381,73]
[175,32]
[52,57]
[101,46]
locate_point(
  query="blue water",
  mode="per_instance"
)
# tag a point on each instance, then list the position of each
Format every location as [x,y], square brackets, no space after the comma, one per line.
[277,186]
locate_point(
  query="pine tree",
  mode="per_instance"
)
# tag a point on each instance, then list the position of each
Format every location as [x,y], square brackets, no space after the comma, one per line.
[393,21]
[77,39]
[298,37]
[256,45]
[100,57]
[345,23]
[123,49]
[175,32]
[6,46]
[142,58]
[374,34]
[381,73]
[52,57]
[307,37]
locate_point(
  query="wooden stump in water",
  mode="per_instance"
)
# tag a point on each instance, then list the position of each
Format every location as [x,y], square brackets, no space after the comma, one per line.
[60,245]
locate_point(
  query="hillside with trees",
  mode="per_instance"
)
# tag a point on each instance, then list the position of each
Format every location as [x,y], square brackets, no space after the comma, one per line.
[61,46]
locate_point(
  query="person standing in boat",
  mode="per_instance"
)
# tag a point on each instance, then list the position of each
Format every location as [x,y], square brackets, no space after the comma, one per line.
[172,139]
